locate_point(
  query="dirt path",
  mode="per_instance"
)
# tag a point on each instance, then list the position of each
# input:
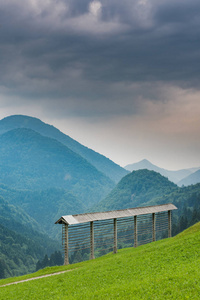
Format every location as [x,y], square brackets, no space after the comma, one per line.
[34,278]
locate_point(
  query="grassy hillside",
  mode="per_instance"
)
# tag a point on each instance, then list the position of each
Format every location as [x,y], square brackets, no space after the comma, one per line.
[167,269]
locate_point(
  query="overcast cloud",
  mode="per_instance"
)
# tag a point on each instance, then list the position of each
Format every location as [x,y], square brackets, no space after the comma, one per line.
[120,75]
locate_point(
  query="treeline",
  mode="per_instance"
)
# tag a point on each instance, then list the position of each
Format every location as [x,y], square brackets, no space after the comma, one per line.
[18,254]
[189,213]
[20,245]
[55,259]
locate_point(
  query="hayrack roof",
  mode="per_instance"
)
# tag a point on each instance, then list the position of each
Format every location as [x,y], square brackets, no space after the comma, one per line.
[99,216]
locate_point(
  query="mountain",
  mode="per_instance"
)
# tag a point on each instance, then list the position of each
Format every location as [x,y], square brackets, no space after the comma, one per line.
[174,176]
[10,214]
[146,188]
[31,161]
[136,189]
[41,208]
[19,253]
[191,179]
[103,164]
[40,180]
[21,245]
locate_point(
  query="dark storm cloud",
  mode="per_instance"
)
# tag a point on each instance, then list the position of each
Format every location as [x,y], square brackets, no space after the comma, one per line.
[91,53]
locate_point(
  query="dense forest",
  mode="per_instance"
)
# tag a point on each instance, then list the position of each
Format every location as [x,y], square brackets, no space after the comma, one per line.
[34,162]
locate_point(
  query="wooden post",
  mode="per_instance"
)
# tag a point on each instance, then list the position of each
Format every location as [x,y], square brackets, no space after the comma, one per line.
[66,245]
[115,236]
[169,223]
[153,227]
[135,231]
[92,240]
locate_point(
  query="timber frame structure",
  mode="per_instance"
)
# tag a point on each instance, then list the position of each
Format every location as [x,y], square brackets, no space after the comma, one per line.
[150,216]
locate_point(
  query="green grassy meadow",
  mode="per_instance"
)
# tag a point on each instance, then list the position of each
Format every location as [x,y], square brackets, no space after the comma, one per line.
[167,269]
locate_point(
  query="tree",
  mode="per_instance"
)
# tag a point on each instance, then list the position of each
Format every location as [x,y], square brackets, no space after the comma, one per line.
[2,268]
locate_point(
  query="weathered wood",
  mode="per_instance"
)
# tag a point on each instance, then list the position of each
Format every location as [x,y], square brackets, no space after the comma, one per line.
[92,240]
[135,231]
[139,227]
[115,236]
[169,223]
[153,227]
[107,215]
[66,245]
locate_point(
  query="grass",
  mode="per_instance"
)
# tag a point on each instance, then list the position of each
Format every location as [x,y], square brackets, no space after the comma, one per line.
[167,269]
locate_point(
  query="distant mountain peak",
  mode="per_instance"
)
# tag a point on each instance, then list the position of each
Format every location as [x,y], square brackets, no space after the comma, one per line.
[142,164]
[174,176]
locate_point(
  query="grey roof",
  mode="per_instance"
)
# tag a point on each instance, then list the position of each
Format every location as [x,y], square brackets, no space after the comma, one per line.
[97,216]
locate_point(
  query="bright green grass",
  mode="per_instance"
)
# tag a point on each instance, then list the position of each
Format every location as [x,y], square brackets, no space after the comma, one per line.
[167,269]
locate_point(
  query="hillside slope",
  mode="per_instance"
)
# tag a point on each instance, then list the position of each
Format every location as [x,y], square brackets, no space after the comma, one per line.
[146,188]
[190,179]
[42,208]
[22,241]
[102,163]
[136,189]
[168,269]
[32,161]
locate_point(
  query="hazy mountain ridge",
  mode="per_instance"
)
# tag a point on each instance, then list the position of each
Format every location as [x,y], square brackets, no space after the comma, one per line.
[102,163]
[190,179]
[32,161]
[174,176]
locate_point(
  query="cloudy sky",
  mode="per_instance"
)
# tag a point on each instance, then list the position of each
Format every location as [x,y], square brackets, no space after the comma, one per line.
[121,77]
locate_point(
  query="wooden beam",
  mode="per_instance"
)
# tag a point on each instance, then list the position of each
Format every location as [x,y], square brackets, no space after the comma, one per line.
[135,231]
[115,236]
[66,245]
[153,227]
[169,223]
[92,240]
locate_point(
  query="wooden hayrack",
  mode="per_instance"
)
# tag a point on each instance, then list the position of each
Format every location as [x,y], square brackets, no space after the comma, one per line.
[147,220]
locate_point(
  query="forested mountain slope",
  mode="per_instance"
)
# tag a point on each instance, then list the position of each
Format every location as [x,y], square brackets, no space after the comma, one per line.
[22,241]
[136,189]
[102,163]
[145,188]
[29,160]
[43,207]
[40,180]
